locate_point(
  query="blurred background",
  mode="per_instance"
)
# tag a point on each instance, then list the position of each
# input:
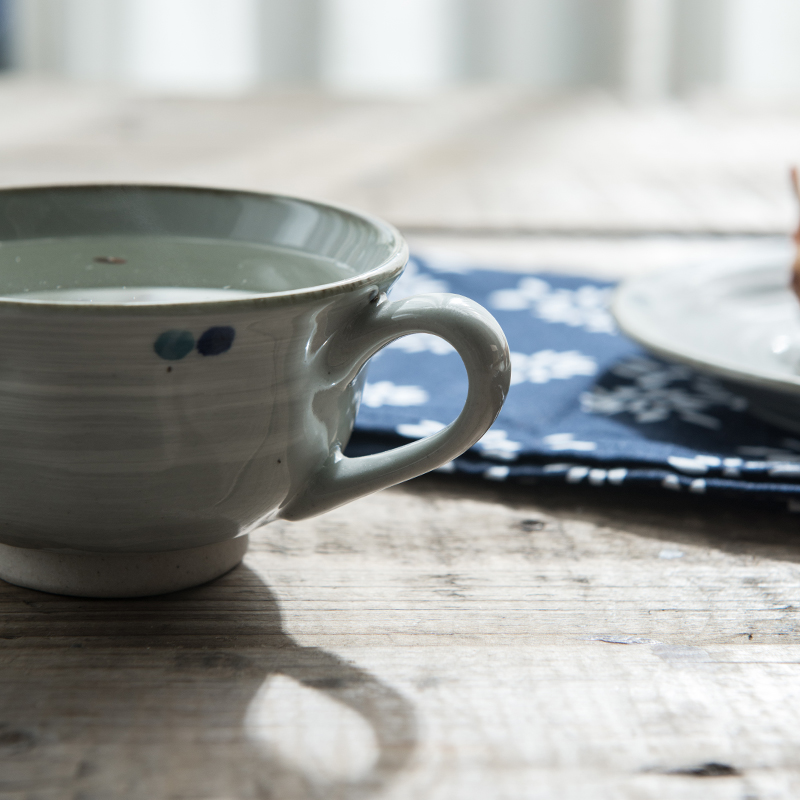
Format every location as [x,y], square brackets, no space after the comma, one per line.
[643,49]
[469,116]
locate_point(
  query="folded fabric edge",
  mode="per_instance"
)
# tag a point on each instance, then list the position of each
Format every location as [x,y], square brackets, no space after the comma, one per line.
[574,471]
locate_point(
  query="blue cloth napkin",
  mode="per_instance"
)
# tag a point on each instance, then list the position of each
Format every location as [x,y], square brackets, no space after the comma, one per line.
[586,405]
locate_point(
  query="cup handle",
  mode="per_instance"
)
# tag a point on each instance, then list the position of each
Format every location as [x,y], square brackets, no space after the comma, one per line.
[480,342]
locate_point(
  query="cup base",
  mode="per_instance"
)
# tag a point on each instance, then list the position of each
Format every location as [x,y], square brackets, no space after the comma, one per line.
[118,574]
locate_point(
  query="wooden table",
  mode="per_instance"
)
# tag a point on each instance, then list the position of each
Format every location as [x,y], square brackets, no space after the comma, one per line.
[449,638]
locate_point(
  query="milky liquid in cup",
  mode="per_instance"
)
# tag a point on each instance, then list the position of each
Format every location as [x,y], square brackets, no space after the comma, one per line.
[138,269]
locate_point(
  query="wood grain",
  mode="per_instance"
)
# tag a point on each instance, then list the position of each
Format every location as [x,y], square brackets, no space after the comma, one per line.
[444,640]
[485,158]
[447,639]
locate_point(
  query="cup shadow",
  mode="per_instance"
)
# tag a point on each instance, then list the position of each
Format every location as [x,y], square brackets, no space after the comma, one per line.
[154,698]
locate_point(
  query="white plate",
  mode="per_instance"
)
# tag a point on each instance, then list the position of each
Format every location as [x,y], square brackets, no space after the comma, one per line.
[739,322]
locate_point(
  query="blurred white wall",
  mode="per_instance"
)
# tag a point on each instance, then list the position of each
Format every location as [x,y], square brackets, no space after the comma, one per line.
[762,48]
[543,44]
[646,55]
[644,49]
[191,45]
[388,45]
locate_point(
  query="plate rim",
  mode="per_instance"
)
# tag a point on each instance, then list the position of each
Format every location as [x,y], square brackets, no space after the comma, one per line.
[761,379]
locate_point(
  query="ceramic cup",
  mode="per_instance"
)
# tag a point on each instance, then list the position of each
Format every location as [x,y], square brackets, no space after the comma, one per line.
[179,366]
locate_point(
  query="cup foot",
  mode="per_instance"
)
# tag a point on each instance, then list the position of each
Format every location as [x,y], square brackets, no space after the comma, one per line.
[118,574]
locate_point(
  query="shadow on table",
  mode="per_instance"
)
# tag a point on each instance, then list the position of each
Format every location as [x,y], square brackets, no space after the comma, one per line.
[739,526]
[173,697]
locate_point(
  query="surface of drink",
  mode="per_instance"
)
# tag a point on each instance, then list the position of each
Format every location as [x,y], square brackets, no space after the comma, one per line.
[139,269]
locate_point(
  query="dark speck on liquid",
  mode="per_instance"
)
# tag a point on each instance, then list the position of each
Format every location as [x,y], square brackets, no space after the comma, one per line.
[110,260]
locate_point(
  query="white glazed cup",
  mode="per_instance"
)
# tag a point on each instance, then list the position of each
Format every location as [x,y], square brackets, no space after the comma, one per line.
[124,474]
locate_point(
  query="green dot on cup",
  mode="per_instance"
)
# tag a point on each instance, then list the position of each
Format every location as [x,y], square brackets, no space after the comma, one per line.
[174,345]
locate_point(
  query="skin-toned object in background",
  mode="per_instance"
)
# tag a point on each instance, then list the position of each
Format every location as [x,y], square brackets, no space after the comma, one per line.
[795,282]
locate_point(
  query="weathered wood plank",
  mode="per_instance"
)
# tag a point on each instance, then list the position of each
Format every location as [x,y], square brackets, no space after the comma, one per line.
[479,159]
[441,640]
[449,639]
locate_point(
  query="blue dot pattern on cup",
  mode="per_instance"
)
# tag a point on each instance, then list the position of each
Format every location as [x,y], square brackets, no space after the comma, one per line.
[174,345]
[216,340]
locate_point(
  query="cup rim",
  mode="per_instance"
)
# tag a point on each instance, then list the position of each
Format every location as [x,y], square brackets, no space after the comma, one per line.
[386,271]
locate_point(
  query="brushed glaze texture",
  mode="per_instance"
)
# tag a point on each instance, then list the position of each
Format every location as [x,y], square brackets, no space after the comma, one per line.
[162,427]
[106,446]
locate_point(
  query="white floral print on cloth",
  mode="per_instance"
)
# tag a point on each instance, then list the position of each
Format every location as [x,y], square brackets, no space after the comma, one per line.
[586,405]
[585,306]
[422,343]
[494,443]
[548,365]
[386,393]
[568,442]
[653,390]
